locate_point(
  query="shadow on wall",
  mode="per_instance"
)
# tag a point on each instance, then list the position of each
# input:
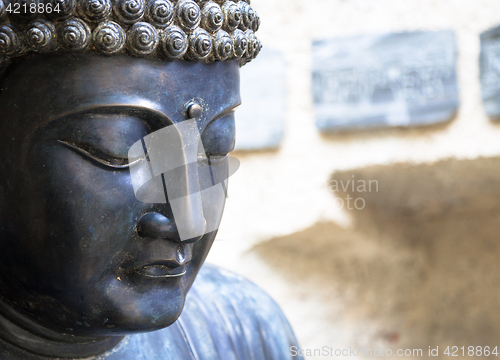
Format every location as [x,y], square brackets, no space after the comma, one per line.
[422,259]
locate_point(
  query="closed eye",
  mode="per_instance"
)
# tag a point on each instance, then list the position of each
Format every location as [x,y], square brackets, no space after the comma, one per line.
[100,157]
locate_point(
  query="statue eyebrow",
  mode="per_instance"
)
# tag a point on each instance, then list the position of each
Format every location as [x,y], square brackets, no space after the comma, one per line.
[221,114]
[153,118]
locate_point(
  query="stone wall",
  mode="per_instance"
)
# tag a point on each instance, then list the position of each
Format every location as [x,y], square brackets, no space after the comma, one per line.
[417,266]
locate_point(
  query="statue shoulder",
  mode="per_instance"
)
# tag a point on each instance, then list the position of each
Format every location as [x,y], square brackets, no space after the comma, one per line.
[238,315]
[224,286]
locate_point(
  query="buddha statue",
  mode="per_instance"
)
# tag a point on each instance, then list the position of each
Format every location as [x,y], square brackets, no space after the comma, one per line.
[116,121]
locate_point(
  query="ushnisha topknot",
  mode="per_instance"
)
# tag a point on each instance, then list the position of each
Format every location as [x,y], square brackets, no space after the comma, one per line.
[199,31]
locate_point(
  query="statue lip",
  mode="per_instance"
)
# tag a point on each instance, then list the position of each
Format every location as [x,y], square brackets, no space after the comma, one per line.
[161,269]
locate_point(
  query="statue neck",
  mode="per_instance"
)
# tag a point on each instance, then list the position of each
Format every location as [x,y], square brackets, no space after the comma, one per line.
[29,336]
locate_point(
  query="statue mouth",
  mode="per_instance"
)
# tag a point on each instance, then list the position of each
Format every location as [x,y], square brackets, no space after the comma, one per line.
[161,269]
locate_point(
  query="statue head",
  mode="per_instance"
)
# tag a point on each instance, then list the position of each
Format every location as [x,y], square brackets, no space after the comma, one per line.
[116,121]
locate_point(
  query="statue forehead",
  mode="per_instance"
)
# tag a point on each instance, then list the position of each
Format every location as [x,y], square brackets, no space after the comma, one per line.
[42,89]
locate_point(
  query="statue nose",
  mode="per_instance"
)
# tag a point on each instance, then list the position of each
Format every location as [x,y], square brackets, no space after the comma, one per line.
[157,226]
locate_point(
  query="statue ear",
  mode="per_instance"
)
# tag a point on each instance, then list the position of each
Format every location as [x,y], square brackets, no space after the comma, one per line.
[6,210]
[4,221]
[3,205]
[7,224]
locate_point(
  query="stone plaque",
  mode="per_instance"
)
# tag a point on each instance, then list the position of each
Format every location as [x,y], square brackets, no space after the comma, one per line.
[260,118]
[397,79]
[489,65]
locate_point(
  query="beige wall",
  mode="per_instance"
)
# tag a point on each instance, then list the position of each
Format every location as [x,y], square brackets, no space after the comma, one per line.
[279,196]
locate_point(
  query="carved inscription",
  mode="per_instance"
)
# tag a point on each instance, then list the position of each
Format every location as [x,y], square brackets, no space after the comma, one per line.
[390,80]
[490,71]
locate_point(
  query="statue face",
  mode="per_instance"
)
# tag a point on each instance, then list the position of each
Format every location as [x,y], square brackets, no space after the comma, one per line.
[80,253]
